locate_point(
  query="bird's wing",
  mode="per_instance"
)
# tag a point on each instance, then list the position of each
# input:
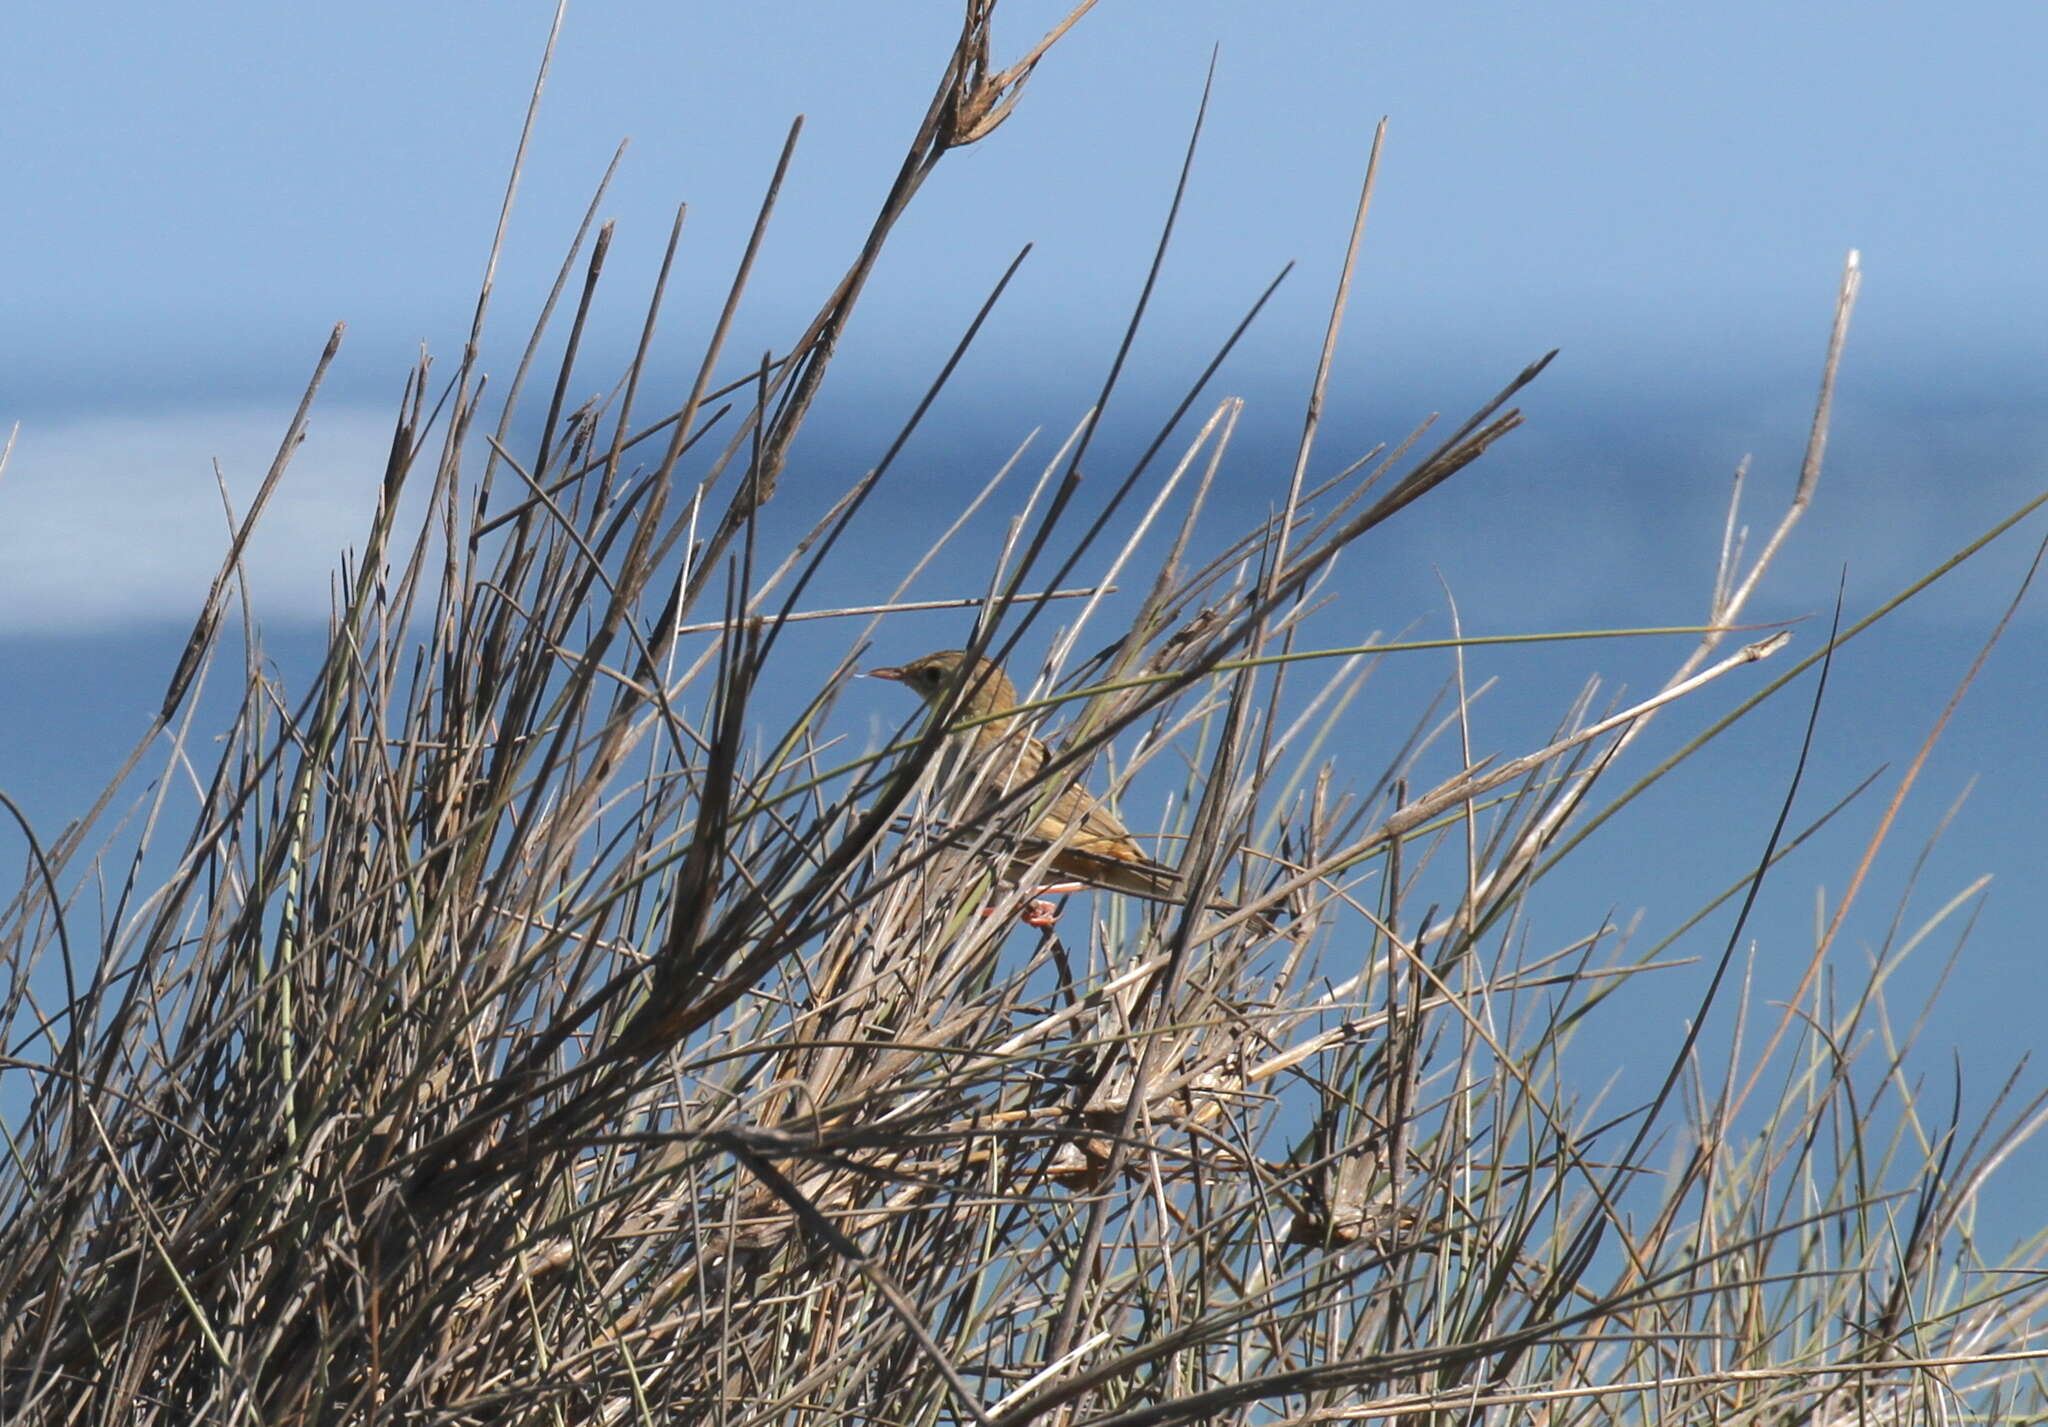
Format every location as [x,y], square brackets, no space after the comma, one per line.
[1096,847]
[1140,876]
[1099,830]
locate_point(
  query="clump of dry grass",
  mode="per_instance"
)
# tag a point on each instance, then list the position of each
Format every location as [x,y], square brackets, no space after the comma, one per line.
[536,1023]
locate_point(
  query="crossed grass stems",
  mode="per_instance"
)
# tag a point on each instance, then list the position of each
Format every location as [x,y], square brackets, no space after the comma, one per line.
[498,1031]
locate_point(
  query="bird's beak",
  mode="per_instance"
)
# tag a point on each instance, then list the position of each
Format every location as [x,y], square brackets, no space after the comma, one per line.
[895,675]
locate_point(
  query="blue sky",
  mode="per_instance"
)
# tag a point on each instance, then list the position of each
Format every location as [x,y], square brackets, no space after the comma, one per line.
[1663,191]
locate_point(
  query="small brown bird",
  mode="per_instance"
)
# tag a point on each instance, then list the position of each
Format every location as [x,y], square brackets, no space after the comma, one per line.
[1097,849]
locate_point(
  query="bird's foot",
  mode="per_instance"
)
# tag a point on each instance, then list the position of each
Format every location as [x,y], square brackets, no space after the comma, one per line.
[1041,913]
[1035,913]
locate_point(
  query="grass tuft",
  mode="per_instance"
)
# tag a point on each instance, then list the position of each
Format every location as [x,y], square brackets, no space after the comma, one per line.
[537,1013]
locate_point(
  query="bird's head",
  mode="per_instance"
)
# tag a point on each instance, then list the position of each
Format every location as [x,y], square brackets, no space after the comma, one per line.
[933,677]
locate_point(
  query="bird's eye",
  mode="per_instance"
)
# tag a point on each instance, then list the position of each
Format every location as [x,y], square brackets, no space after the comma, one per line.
[928,675]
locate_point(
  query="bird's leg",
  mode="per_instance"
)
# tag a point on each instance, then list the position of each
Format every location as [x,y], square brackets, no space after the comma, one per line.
[1039,912]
